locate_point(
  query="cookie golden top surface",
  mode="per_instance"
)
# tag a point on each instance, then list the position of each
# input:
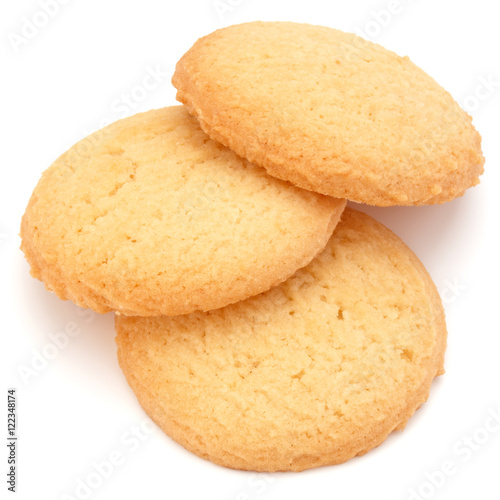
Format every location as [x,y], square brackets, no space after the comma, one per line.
[150,216]
[331,112]
[312,372]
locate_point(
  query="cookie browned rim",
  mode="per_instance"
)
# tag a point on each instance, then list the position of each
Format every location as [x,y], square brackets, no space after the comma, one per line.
[313,372]
[331,112]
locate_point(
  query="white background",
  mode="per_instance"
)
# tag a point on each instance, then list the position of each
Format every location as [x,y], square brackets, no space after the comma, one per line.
[71,76]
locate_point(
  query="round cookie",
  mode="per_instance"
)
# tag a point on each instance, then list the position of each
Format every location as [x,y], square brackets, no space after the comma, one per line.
[310,373]
[331,112]
[150,216]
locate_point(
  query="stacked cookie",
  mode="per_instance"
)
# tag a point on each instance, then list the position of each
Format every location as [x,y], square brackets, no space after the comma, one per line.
[260,324]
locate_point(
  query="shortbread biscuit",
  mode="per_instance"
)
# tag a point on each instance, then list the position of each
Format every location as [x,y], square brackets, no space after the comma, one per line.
[310,373]
[331,112]
[149,216]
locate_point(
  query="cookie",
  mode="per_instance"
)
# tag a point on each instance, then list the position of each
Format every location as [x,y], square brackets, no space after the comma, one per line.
[331,112]
[149,216]
[310,373]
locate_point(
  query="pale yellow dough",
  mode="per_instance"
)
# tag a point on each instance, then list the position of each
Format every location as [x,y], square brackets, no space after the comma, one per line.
[150,216]
[310,373]
[331,112]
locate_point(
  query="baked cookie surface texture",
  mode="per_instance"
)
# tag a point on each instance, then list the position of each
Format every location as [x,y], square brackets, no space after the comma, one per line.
[313,372]
[149,216]
[331,112]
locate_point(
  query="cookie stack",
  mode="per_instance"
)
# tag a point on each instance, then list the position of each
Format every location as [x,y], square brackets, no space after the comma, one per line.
[260,323]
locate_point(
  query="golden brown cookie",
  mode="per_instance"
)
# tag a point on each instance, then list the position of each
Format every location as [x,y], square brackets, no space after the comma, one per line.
[330,112]
[150,216]
[310,373]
